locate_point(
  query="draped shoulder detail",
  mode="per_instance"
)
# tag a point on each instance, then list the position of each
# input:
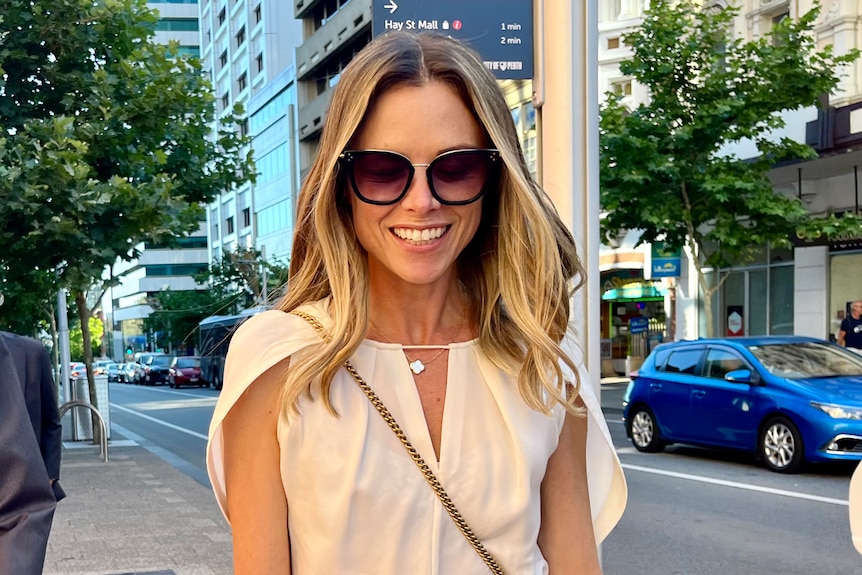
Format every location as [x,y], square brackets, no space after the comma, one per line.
[855,500]
[260,343]
[607,483]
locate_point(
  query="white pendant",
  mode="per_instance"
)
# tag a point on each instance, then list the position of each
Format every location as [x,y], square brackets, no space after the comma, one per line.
[417,366]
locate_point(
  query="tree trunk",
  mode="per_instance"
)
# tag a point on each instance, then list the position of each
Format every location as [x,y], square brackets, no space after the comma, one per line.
[84,316]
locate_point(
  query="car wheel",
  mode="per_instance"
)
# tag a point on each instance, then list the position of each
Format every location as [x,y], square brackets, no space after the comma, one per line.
[644,430]
[780,445]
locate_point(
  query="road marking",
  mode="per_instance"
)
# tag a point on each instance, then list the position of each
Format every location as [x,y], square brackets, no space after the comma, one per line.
[177,392]
[735,485]
[160,422]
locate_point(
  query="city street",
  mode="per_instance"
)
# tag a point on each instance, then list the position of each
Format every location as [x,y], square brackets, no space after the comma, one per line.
[690,511]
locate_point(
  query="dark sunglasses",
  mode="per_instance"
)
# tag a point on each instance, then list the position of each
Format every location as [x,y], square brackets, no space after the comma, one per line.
[455,178]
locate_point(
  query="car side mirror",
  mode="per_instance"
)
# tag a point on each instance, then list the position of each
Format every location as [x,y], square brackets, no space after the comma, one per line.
[740,376]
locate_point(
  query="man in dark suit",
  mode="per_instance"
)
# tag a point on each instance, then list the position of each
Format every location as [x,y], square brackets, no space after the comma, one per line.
[33,366]
[27,502]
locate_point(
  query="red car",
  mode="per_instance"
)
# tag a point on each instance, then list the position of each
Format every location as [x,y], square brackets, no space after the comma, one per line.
[186,371]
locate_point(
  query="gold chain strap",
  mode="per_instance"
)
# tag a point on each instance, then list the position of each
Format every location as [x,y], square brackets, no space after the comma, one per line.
[414,454]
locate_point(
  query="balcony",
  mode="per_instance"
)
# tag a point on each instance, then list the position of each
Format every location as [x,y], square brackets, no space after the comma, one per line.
[349,22]
[313,115]
[303,8]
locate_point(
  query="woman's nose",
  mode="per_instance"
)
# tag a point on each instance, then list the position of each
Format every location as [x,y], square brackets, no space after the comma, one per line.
[419,197]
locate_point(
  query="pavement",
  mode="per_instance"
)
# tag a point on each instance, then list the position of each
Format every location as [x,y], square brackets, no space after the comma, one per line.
[135,515]
[141,513]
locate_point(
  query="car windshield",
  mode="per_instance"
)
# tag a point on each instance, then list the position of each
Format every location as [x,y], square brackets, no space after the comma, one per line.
[188,362]
[810,359]
[161,361]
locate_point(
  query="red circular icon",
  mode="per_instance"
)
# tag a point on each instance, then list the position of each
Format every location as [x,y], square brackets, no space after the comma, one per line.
[456,25]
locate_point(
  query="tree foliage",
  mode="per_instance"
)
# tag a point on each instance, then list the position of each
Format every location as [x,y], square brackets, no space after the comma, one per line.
[241,271]
[76,339]
[176,315]
[665,168]
[107,140]
[234,283]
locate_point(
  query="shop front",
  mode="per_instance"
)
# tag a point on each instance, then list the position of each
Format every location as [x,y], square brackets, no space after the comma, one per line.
[633,319]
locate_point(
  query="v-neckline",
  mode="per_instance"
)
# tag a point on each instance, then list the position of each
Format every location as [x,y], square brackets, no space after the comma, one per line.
[411,404]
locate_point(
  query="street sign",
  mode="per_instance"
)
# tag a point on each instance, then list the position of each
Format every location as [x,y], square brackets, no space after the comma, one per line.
[638,324]
[734,320]
[665,261]
[502,32]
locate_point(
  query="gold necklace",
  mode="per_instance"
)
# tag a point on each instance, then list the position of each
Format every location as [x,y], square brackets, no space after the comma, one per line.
[417,366]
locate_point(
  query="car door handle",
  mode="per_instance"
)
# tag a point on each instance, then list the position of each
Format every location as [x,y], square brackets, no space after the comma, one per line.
[655,386]
[698,393]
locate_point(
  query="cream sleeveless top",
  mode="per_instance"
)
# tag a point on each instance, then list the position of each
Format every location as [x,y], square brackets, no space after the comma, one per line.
[357,502]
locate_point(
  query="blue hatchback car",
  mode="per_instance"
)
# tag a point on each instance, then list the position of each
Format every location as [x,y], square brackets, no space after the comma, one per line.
[789,399]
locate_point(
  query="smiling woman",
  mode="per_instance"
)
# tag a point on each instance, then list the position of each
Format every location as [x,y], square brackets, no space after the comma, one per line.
[430,284]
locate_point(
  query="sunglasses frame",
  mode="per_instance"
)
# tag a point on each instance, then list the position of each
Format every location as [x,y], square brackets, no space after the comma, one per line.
[347,157]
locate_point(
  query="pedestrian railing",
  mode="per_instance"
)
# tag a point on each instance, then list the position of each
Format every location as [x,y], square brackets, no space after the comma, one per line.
[103,443]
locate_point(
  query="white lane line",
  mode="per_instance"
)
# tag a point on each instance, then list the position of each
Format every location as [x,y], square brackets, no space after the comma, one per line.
[160,422]
[172,392]
[735,485]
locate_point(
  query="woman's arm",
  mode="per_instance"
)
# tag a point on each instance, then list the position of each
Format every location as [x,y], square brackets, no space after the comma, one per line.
[566,536]
[256,503]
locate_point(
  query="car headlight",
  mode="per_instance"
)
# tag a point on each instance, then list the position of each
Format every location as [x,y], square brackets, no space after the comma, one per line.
[839,411]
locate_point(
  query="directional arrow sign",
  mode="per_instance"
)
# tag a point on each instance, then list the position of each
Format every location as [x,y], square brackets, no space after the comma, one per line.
[502,32]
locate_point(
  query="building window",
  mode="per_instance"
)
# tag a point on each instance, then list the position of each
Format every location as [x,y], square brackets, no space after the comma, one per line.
[762,294]
[176,270]
[222,59]
[240,37]
[622,87]
[243,128]
[222,15]
[246,217]
[779,40]
[524,118]
[177,25]
[189,51]
[613,43]
[259,61]
[258,16]
[229,225]
[242,81]
[225,100]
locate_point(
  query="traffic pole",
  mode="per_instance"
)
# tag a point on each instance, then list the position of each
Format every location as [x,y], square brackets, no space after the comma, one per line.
[566,98]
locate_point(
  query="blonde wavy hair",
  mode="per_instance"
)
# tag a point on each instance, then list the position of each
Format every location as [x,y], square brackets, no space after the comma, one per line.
[528,268]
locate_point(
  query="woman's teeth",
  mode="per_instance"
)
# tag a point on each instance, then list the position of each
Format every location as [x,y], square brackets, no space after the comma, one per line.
[418,235]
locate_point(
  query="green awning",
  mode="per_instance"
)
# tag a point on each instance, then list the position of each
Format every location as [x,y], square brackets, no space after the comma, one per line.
[635,291]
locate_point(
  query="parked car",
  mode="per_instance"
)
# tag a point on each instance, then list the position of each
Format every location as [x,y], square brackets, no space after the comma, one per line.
[788,399]
[113,371]
[186,370]
[100,367]
[77,369]
[156,369]
[127,372]
[141,360]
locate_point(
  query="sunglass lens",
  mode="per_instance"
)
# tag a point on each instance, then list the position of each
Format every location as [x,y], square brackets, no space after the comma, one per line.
[380,176]
[461,176]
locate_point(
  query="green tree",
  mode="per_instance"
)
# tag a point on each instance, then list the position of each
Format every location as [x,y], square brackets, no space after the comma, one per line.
[107,141]
[76,340]
[664,165]
[29,302]
[241,272]
[176,314]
